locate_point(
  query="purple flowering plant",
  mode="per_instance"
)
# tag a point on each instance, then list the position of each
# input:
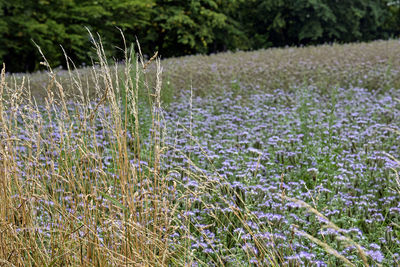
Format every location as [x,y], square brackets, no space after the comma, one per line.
[262,169]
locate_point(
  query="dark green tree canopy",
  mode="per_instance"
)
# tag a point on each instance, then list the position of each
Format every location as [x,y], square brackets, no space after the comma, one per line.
[181,27]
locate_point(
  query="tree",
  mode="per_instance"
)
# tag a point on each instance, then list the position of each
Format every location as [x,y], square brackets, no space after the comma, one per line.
[51,23]
[294,22]
[181,27]
[185,26]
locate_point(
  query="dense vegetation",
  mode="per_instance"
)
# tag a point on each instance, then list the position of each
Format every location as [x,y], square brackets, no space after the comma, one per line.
[182,27]
[278,157]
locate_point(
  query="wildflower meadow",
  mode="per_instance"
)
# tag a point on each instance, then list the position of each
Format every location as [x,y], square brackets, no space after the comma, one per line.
[277,157]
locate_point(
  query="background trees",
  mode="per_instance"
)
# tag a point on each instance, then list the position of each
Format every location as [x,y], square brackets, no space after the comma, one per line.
[294,22]
[180,27]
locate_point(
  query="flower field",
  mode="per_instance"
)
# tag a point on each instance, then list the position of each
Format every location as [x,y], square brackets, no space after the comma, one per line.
[328,151]
[282,157]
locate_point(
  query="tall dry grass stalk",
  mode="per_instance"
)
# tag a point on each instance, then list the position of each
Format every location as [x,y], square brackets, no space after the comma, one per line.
[328,224]
[59,205]
[81,184]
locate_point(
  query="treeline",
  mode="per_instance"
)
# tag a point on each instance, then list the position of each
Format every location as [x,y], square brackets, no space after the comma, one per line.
[182,27]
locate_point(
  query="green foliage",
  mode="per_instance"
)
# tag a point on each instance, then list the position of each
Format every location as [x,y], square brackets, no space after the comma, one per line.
[182,27]
[392,23]
[186,27]
[278,22]
[51,23]
[47,23]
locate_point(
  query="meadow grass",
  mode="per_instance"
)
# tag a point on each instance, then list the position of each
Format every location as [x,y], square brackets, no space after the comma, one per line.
[60,204]
[372,65]
[264,158]
[79,185]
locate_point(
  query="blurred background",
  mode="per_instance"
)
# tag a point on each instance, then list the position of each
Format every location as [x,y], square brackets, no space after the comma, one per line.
[183,27]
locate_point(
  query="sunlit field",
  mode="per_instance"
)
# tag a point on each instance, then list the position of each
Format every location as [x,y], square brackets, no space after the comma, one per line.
[279,157]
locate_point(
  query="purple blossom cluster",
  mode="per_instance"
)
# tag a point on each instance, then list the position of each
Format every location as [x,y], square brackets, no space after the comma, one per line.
[328,150]
[236,158]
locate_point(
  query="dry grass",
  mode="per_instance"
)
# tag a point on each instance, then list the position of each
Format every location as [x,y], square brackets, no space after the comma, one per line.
[60,206]
[328,224]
